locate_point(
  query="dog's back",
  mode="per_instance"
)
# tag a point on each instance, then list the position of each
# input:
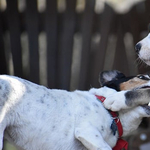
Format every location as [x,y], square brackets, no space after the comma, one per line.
[44,119]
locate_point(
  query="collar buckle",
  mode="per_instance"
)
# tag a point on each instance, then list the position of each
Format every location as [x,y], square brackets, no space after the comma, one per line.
[117,119]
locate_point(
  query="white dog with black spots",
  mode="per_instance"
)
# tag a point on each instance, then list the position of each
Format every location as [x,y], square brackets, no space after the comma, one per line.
[33,117]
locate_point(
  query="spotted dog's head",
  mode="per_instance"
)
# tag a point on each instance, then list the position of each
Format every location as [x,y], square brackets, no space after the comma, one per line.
[143,49]
[118,81]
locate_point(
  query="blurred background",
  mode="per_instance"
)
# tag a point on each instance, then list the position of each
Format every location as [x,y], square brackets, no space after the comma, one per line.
[65,44]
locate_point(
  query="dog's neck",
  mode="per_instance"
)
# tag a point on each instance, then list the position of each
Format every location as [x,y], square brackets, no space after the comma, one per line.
[116,123]
[130,119]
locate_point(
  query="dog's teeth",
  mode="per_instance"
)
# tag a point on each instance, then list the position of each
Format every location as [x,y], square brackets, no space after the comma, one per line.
[149,104]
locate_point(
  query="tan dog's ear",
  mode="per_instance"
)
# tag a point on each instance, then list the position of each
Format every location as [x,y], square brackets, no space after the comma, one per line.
[107,76]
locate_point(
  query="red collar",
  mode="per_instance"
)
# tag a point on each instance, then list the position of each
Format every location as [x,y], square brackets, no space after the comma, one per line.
[120,143]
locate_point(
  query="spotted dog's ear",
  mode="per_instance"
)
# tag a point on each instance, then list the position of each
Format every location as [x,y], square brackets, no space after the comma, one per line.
[107,76]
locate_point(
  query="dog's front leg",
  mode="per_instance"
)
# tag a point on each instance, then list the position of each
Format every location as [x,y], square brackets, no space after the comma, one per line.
[127,99]
[116,101]
[1,142]
[91,138]
[1,139]
[2,128]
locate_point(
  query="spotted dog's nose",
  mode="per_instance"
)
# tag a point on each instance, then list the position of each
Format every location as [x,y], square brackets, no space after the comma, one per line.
[138,47]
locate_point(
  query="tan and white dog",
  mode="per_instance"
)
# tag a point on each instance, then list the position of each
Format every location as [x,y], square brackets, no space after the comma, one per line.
[33,117]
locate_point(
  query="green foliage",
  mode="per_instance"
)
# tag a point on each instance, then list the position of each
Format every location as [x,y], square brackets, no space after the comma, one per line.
[8,146]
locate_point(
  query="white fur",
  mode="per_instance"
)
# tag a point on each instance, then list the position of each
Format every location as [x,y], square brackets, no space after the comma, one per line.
[36,118]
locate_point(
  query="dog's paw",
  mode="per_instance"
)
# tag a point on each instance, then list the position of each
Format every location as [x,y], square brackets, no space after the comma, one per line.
[116,101]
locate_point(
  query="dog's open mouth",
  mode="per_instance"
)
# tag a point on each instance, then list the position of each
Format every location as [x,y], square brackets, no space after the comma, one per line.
[145,87]
[142,87]
[147,106]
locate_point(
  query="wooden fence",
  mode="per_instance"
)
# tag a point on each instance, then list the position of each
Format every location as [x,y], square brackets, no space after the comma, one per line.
[69,49]
[106,41]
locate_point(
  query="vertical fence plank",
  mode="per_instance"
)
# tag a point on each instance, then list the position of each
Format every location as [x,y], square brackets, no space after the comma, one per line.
[32,29]
[3,66]
[120,61]
[65,46]
[14,30]
[107,19]
[51,32]
[87,25]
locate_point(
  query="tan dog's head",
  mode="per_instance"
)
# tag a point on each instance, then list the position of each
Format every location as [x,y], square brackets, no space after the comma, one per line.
[118,81]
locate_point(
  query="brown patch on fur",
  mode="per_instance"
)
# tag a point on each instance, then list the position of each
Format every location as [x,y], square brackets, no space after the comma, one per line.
[132,84]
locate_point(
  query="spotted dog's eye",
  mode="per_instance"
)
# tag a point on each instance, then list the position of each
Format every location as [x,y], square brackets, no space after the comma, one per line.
[143,77]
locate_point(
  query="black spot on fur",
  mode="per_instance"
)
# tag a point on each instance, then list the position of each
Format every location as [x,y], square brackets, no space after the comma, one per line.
[66,134]
[131,96]
[42,101]
[102,128]
[95,105]
[65,104]
[28,89]
[87,108]
[69,114]
[28,104]
[96,112]
[4,95]
[6,92]
[85,114]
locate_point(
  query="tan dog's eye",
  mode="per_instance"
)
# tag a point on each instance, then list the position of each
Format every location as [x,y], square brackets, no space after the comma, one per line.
[143,77]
